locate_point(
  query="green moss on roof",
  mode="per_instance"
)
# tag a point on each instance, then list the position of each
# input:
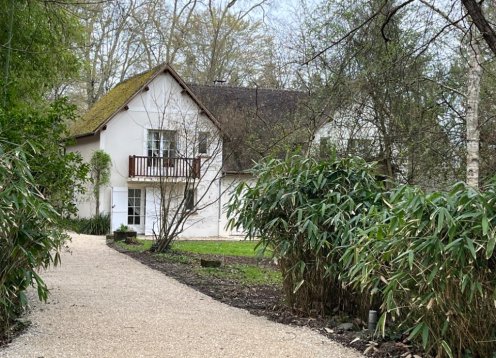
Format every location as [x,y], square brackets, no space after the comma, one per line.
[110,103]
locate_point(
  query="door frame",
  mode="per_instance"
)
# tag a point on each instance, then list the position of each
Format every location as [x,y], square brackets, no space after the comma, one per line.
[139,228]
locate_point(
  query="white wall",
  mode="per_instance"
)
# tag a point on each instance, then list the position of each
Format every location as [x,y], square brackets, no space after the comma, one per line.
[201,223]
[86,146]
[228,186]
[346,126]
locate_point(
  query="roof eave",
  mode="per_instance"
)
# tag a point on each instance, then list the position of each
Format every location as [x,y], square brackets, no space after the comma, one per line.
[119,109]
[83,135]
[164,68]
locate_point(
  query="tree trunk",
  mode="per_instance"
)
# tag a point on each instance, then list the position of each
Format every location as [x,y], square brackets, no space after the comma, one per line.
[472,120]
[97,208]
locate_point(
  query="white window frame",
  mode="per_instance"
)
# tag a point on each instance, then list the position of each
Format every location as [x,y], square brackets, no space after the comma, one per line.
[134,202]
[161,143]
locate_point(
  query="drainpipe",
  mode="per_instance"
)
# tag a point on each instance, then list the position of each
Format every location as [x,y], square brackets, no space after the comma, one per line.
[219,221]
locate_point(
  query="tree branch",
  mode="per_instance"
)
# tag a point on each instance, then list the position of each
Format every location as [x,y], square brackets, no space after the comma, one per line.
[345,36]
[474,10]
[390,16]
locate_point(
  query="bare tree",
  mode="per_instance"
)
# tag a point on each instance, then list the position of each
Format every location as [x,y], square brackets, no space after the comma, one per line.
[112,51]
[185,157]
[472,113]
[162,27]
[225,42]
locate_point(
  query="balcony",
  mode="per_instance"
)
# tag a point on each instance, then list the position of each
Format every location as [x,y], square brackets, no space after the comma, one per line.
[162,167]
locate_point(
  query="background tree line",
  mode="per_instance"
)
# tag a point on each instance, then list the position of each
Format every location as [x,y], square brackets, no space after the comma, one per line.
[402,67]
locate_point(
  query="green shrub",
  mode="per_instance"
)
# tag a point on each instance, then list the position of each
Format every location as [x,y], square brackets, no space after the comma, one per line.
[97,225]
[431,260]
[28,235]
[307,211]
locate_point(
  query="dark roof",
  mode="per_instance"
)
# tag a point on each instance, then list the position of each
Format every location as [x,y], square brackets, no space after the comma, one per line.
[258,121]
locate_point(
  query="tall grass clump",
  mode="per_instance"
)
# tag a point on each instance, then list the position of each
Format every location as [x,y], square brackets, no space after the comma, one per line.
[28,237]
[96,225]
[430,259]
[307,211]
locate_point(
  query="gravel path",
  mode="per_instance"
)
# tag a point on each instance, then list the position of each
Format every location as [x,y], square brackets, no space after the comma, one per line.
[105,304]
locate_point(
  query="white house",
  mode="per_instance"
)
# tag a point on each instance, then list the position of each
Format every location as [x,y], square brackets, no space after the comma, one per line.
[349,133]
[175,147]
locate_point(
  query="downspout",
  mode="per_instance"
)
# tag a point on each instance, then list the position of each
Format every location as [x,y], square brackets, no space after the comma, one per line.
[219,214]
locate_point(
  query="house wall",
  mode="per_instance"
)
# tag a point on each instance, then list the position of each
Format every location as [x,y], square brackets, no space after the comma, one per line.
[345,128]
[229,184]
[163,107]
[86,146]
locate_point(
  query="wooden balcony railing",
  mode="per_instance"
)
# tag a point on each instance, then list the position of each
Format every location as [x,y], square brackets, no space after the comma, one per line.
[161,167]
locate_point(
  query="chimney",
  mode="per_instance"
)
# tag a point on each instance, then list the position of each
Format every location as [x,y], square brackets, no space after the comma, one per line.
[220,82]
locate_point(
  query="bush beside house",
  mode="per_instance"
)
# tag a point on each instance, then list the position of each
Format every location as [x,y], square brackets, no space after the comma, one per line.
[426,261]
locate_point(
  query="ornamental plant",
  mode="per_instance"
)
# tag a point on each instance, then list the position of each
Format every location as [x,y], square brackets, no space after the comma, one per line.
[100,165]
[430,261]
[29,238]
[307,212]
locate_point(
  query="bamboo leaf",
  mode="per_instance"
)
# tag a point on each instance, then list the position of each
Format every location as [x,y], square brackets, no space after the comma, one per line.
[381,324]
[298,286]
[425,336]
[490,245]
[447,349]
[415,331]
[440,220]
[485,225]
[470,246]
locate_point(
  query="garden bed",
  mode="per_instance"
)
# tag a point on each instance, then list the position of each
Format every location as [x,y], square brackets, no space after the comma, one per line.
[254,284]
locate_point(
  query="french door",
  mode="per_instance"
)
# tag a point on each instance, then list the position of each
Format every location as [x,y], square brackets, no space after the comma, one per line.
[136,209]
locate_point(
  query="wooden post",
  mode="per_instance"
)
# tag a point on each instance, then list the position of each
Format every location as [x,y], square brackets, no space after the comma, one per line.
[196,168]
[131,166]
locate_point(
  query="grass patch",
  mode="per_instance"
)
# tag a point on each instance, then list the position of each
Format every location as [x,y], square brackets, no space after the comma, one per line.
[244,274]
[225,248]
[144,245]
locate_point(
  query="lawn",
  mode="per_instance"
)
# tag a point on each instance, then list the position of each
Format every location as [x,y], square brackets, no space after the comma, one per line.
[235,269]
[224,248]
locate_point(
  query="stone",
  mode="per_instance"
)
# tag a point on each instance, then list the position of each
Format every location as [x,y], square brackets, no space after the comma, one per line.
[210,263]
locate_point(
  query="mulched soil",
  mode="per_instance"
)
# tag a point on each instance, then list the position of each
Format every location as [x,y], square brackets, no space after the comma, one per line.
[267,301]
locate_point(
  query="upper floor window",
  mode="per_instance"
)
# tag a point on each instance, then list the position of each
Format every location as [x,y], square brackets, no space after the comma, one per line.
[161,143]
[203,142]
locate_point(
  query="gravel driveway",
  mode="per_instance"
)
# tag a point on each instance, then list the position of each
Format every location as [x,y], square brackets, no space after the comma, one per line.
[105,304]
